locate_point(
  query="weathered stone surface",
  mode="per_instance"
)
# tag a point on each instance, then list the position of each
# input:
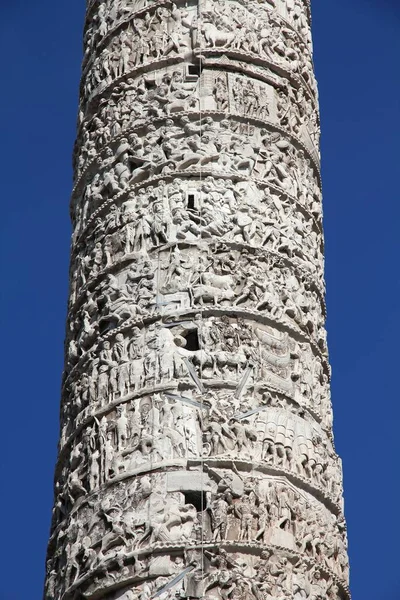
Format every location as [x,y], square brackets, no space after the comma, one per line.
[196,454]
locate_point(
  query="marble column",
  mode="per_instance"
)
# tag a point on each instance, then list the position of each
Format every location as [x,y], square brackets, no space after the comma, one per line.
[196,454]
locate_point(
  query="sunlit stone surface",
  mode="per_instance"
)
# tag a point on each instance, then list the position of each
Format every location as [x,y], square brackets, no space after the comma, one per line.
[196,455]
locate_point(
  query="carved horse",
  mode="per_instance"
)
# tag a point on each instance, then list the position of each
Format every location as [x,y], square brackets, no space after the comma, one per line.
[215,37]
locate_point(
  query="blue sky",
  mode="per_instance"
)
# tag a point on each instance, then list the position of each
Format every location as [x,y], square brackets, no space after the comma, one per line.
[357,51]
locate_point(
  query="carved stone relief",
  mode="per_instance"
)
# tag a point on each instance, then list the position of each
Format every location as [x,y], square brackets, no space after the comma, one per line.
[166,93]
[253,31]
[196,454]
[223,522]
[205,147]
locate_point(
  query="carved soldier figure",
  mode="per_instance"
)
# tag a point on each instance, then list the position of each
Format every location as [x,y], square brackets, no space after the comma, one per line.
[121,425]
[219,513]
[245,511]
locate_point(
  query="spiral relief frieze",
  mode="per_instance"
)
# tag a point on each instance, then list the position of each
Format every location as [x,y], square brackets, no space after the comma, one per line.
[196,453]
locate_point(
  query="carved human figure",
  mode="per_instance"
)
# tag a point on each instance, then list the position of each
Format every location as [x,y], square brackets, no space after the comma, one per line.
[219,513]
